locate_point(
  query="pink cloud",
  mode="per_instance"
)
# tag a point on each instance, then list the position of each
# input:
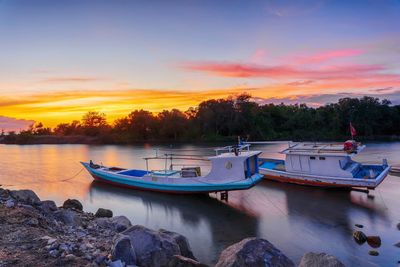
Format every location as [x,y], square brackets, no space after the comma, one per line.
[284,71]
[325,56]
[258,56]
[8,124]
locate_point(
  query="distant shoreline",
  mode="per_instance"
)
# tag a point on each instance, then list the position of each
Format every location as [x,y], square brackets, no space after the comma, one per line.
[88,140]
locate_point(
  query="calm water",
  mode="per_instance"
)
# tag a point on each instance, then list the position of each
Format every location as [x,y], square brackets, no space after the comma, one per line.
[296,219]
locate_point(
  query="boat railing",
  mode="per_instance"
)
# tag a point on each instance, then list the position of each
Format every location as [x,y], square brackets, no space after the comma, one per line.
[235,148]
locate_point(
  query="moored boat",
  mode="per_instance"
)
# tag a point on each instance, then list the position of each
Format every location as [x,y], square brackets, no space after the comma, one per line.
[324,165]
[233,168]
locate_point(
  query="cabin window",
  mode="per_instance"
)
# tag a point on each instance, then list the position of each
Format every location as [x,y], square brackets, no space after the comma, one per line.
[312,157]
[321,158]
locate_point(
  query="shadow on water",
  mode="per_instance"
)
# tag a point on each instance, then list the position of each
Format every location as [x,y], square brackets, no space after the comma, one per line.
[315,214]
[224,223]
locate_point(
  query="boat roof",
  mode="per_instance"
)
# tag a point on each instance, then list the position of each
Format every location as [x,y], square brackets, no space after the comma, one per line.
[321,149]
[245,154]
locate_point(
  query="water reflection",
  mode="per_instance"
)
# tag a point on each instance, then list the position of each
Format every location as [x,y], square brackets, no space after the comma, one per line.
[224,223]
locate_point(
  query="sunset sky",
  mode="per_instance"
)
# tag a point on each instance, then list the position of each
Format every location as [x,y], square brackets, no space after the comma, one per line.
[60,59]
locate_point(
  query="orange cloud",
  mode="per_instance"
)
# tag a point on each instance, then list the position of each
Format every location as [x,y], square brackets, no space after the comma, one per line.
[325,56]
[70,79]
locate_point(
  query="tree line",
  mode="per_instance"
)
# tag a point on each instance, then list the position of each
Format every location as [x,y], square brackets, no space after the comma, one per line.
[225,119]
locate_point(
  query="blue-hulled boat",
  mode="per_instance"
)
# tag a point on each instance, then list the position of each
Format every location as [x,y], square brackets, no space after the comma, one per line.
[233,168]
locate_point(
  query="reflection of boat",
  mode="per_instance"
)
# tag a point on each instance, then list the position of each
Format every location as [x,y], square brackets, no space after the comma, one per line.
[324,164]
[233,168]
[395,170]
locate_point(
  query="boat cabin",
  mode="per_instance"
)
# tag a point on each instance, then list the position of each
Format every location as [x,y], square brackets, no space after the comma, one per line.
[322,159]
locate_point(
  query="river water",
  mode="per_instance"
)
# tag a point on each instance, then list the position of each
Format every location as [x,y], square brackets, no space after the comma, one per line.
[296,219]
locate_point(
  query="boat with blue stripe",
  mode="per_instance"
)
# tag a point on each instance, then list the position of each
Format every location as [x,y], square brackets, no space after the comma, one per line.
[323,165]
[232,168]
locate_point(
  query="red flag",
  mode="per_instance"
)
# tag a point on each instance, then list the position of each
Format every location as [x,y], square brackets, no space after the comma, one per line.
[352,130]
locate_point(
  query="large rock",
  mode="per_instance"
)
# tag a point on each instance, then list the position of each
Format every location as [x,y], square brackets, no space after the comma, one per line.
[73,204]
[156,248]
[117,223]
[253,252]
[122,249]
[103,213]
[319,259]
[68,217]
[25,196]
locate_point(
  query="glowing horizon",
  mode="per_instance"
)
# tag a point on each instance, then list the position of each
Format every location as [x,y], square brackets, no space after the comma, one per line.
[115,57]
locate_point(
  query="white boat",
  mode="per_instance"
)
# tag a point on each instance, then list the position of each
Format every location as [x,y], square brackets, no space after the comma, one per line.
[324,165]
[233,168]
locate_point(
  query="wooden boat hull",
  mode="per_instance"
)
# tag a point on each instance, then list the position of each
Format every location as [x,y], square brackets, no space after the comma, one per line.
[176,186]
[326,182]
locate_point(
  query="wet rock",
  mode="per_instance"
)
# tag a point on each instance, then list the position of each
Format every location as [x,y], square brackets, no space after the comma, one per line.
[73,204]
[398,226]
[103,213]
[319,259]
[25,196]
[117,223]
[397,244]
[253,252]
[48,206]
[155,248]
[374,241]
[181,261]
[68,217]
[359,225]
[182,243]
[373,253]
[359,237]
[10,203]
[123,250]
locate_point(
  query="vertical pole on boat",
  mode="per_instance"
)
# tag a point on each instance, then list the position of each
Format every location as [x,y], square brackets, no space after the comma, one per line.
[256,163]
[248,168]
[147,165]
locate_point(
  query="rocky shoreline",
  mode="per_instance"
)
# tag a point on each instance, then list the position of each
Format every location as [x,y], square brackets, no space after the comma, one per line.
[38,233]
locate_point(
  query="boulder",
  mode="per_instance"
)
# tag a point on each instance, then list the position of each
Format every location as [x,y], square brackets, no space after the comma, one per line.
[25,196]
[181,261]
[68,217]
[156,248]
[359,237]
[122,249]
[254,252]
[182,243]
[311,259]
[374,241]
[73,204]
[103,213]
[117,223]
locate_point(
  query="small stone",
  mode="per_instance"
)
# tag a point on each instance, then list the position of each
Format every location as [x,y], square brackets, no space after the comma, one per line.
[73,204]
[32,222]
[397,244]
[10,203]
[63,247]
[359,225]
[51,241]
[103,213]
[373,253]
[359,237]
[374,241]
[311,259]
[70,257]
[398,226]
[54,253]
